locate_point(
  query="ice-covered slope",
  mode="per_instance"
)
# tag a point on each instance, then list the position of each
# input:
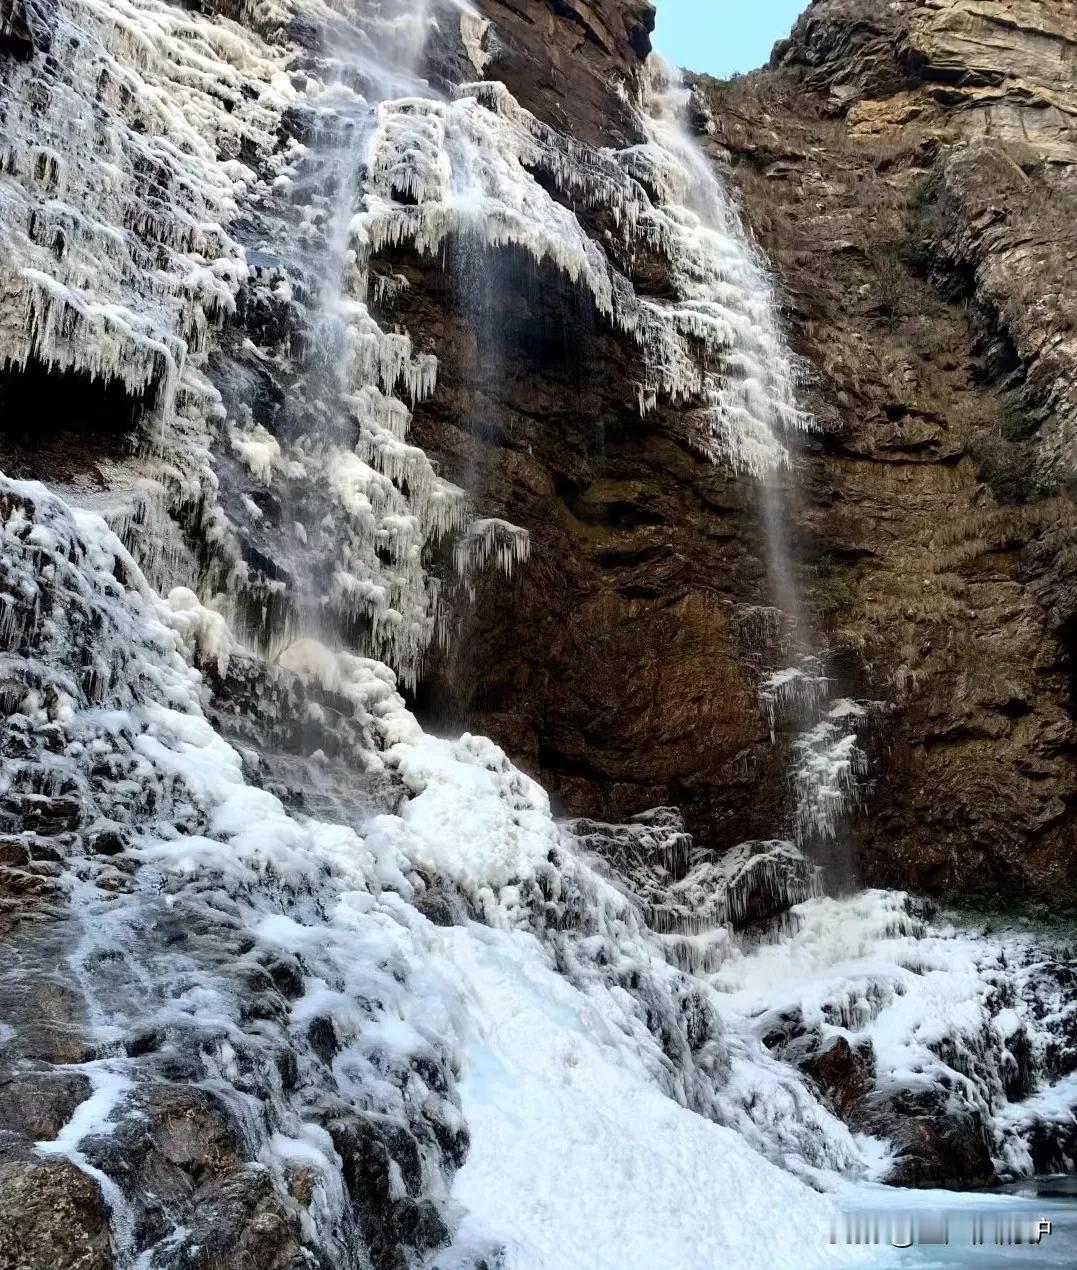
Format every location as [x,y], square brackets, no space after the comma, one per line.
[535,1072]
[275,974]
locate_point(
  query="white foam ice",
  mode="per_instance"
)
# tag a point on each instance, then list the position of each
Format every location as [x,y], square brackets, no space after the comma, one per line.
[560,1000]
[579,1163]
[947,1009]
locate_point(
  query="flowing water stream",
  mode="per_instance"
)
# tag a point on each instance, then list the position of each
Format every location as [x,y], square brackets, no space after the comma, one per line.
[754,421]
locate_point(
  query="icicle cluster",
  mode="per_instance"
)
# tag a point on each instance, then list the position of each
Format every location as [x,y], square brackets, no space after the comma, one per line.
[828,765]
[792,692]
[490,540]
[689,899]
[828,769]
[121,169]
[469,166]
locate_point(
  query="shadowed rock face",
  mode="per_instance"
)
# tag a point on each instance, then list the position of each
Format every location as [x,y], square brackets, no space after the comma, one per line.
[611,665]
[910,170]
[24,27]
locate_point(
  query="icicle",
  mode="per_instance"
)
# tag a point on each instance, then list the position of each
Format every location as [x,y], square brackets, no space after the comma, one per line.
[828,766]
[113,236]
[487,540]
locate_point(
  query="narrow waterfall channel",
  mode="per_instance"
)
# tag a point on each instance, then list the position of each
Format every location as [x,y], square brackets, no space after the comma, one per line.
[754,421]
[294,982]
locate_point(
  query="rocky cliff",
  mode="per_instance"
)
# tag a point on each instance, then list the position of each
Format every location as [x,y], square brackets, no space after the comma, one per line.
[909,169]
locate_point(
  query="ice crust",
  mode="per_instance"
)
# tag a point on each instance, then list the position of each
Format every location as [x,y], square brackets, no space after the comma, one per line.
[975,1017]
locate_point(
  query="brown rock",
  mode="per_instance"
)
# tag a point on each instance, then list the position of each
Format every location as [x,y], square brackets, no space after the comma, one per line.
[37,1105]
[938,1143]
[52,1217]
[47,1014]
[843,1073]
[240,1223]
[563,58]
[612,666]
[926,256]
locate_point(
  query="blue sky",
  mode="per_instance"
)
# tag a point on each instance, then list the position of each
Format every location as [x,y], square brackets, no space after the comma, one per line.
[722,36]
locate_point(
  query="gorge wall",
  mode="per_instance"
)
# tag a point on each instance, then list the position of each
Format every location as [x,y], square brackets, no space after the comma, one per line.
[908,170]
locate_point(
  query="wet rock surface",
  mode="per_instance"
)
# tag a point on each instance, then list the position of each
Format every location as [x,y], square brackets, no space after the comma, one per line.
[610,665]
[935,1145]
[844,1073]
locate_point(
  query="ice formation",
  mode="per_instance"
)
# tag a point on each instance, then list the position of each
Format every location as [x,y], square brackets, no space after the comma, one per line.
[468,166]
[121,175]
[474,164]
[187,110]
[829,767]
[977,1020]
[392,1020]
[690,899]
[827,735]
[491,539]
[792,692]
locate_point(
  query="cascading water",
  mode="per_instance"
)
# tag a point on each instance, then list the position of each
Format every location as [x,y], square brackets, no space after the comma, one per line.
[753,420]
[435,1028]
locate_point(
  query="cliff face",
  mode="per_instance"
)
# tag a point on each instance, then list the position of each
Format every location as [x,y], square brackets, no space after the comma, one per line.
[615,665]
[564,60]
[909,172]
[909,168]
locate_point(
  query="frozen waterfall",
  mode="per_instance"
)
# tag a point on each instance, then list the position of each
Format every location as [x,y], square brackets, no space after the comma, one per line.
[420,1021]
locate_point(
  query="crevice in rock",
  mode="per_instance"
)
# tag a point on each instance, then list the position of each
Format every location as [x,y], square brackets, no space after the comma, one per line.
[57,424]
